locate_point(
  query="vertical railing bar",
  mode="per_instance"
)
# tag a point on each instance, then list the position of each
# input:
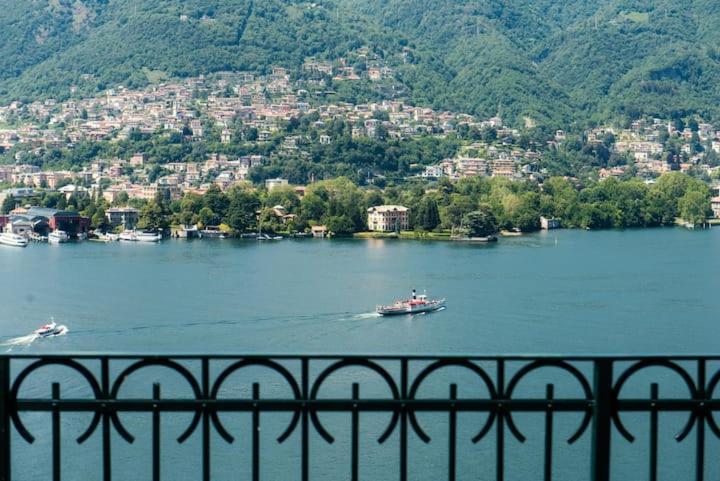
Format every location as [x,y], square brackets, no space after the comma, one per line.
[604,405]
[653,431]
[305,458]
[156,433]
[500,448]
[549,395]
[452,434]
[403,419]
[256,433]
[105,388]
[700,442]
[355,433]
[56,432]
[5,407]
[205,365]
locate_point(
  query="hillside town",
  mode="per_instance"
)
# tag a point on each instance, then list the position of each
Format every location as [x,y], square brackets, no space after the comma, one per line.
[240,109]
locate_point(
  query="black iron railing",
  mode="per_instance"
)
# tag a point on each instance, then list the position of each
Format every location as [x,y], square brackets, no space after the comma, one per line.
[601,402]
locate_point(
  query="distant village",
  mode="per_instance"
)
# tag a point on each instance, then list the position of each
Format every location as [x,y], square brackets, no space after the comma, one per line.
[234,104]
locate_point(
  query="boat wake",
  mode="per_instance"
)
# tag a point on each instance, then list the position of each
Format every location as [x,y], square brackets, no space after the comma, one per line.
[21,341]
[366,315]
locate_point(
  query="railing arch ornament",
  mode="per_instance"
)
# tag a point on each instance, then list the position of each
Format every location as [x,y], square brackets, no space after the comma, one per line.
[558,364]
[243,364]
[156,362]
[646,364]
[344,364]
[442,364]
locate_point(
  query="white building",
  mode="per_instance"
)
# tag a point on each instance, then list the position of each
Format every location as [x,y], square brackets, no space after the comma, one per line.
[271,184]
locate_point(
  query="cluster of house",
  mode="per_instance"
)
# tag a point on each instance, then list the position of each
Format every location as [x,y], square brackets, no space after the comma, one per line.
[225,101]
[506,161]
[645,141]
[234,104]
[131,177]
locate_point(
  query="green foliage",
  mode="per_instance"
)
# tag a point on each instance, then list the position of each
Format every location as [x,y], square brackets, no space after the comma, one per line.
[481,222]
[548,60]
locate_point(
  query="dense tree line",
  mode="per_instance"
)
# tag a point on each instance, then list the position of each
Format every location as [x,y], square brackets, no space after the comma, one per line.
[342,205]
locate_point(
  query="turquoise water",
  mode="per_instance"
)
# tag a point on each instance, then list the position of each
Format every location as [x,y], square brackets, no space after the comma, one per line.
[635,292]
[642,291]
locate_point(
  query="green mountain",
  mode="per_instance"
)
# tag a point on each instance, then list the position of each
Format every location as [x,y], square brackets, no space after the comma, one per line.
[556,62]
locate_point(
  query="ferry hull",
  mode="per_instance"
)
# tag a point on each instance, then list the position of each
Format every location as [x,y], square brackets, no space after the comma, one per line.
[410,309]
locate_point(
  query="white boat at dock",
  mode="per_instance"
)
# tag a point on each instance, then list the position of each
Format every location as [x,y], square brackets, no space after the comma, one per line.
[417,304]
[108,237]
[135,236]
[13,240]
[213,233]
[58,237]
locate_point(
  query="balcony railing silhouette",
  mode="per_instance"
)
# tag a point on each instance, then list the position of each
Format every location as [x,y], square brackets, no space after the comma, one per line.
[601,404]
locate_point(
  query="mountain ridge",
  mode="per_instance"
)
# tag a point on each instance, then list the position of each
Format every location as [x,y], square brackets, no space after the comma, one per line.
[585,62]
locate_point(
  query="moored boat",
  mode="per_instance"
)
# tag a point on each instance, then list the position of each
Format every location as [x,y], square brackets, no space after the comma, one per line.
[148,237]
[213,233]
[416,305]
[13,240]
[58,237]
[490,238]
[134,236]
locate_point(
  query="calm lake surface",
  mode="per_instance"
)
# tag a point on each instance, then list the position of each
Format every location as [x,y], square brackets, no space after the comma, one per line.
[636,291]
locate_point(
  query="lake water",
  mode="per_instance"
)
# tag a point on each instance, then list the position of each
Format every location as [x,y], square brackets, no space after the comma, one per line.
[637,291]
[632,292]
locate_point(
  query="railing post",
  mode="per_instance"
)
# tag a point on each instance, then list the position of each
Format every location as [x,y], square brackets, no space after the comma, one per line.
[5,406]
[602,416]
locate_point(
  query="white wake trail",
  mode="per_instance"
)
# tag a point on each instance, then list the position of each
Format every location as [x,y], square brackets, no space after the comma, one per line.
[21,341]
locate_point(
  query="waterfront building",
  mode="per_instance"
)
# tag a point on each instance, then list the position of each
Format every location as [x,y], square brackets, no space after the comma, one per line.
[715,204]
[388,218]
[319,231]
[549,223]
[123,216]
[43,220]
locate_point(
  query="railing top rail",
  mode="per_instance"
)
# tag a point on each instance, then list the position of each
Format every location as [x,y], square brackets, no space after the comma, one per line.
[378,356]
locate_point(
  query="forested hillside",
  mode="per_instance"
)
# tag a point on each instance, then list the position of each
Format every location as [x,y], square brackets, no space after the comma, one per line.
[555,62]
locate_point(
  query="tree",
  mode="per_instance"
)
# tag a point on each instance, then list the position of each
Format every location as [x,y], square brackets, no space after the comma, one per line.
[8,204]
[340,225]
[207,217]
[99,221]
[312,207]
[694,207]
[481,222]
[241,211]
[428,216]
[153,215]
[122,198]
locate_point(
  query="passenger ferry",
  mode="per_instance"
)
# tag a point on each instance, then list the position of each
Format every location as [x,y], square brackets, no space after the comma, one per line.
[14,240]
[416,305]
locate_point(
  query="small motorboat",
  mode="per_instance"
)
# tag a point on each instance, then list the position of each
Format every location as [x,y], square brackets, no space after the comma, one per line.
[269,237]
[51,330]
[416,305]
